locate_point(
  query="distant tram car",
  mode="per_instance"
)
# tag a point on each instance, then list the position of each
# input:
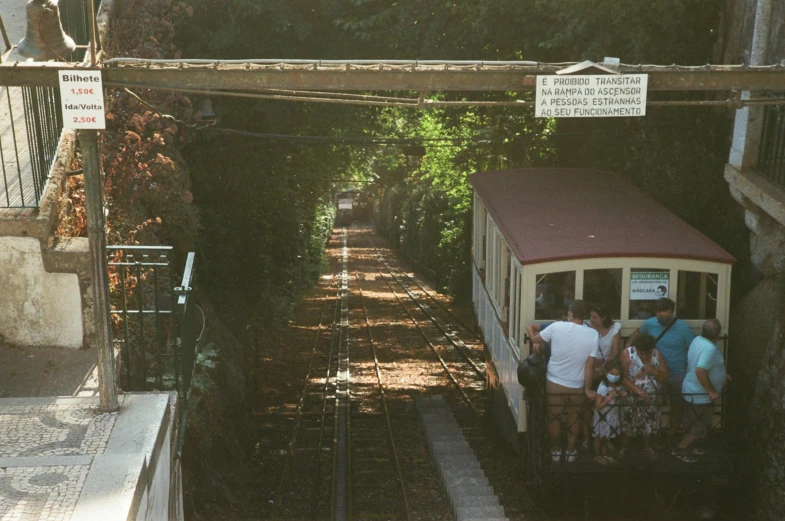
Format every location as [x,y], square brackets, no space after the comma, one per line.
[344,215]
[544,237]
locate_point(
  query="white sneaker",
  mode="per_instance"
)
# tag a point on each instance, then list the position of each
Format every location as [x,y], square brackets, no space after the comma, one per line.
[556,455]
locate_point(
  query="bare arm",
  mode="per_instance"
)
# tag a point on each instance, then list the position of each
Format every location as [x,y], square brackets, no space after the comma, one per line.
[635,334]
[616,345]
[703,378]
[662,373]
[588,373]
[626,380]
[600,402]
[532,330]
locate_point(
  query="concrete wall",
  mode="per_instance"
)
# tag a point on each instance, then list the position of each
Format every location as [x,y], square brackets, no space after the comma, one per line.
[159,494]
[37,308]
[47,301]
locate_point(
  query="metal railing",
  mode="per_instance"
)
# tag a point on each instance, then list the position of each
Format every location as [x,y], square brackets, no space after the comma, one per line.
[31,123]
[142,297]
[75,17]
[771,155]
[158,328]
[188,325]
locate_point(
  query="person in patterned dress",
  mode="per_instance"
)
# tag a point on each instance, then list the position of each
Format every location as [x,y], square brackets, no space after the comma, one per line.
[644,372]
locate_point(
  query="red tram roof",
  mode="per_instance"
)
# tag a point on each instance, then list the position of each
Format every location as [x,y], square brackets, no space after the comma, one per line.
[550,214]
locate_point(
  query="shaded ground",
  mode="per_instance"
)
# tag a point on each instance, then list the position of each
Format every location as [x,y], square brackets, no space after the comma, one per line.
[43,371]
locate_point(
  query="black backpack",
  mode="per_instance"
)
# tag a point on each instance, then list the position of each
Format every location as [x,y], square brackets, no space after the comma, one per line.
[531,373]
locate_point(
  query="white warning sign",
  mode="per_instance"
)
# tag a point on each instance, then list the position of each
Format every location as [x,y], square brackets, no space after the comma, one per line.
[649,285]
[596,96]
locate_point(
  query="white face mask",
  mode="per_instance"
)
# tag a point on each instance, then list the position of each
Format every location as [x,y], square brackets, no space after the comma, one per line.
[613,378]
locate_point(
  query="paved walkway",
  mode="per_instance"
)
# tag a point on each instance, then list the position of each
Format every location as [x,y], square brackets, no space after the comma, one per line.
[62,460]
[45,371]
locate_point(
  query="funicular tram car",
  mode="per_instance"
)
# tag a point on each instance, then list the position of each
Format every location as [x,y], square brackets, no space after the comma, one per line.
[543,237]
[344,215]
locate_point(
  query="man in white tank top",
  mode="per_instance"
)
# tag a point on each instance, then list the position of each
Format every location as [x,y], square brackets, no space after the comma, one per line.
[571,344]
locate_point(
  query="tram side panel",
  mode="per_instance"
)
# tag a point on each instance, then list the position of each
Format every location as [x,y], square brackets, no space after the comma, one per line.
[501,354]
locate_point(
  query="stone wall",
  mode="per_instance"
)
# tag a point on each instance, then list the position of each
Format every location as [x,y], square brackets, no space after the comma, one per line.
[767,424]
[737,28]
[757,326]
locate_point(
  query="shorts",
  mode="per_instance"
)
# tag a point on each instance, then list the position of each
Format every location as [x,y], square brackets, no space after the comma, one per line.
[563,399]
[698,419]
[672,388]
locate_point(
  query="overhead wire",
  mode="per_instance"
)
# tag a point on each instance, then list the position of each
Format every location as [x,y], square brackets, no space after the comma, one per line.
[420,103]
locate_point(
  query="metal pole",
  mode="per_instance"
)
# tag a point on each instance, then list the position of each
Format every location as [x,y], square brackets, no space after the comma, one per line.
[93,36]
[98,266]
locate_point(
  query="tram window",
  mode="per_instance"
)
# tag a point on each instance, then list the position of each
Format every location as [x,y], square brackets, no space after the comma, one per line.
[603,287]
[697,297]
[647,286]
[555,292]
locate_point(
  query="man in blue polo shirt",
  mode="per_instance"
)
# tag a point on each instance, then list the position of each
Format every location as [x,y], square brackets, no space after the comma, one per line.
[706,375]
[673,345]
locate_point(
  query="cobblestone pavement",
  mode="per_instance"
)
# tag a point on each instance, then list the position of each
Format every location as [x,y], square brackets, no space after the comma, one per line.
[45,456]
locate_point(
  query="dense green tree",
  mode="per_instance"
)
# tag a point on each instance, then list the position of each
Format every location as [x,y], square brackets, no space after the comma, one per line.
[675,154]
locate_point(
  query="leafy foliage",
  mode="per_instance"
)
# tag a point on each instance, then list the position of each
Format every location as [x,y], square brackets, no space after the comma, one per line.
[146,186]
[676,155]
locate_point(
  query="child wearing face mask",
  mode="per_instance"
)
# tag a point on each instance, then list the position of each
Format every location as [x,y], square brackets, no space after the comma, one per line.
[606,412]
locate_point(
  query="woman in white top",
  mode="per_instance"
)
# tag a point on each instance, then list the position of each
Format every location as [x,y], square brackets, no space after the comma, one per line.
[601,320]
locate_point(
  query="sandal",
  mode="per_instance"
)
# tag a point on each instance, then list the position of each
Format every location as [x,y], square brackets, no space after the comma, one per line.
[650,454]
[601,460]
[571,456]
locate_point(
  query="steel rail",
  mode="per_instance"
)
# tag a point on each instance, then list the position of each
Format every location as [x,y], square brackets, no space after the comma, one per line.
[384,401]
[430,344]
[460,347]
[299,413]
[340,497]
[460,322]
[325,396]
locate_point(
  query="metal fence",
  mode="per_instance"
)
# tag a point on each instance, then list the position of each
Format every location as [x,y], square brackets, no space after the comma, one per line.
[142,297]
[771,157]
[188,327]
[158,328]
[31,123]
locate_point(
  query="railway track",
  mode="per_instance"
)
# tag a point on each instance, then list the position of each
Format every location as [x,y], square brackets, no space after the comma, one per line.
[455,319]
[453,360]
[342,455]
[405,281]
[353,453]
[373,444]
[303,465]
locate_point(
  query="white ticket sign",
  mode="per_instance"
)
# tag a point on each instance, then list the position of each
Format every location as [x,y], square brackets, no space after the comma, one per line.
[82,99]
[594,96]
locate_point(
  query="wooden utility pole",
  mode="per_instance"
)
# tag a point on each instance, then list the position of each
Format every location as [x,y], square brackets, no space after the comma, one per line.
[257,75]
